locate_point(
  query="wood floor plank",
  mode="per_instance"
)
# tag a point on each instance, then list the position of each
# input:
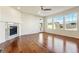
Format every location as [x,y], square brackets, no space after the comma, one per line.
[41,43]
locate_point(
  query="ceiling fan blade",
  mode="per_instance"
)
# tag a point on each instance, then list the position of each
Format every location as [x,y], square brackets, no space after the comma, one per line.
[45,9]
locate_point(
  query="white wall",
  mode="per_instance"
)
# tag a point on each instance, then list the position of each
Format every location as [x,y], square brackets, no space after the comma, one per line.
[65,32]
[2,32]
[10,15]
[30,24]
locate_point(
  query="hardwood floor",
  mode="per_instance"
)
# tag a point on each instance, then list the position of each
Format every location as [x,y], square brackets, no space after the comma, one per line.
[41,43]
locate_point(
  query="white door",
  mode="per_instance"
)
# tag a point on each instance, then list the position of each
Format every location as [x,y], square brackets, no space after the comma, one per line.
[2,32]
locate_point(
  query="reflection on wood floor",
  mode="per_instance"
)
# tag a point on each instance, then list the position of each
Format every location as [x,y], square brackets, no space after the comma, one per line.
[41,43]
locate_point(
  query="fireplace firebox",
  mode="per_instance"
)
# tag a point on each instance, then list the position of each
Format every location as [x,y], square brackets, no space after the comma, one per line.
[13,30]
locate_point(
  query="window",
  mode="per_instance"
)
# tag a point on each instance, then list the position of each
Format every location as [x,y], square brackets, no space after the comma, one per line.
[71,21]
[58,22]
[67,22]
[49,23]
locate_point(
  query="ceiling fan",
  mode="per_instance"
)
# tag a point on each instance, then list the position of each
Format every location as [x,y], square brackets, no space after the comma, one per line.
[45,9]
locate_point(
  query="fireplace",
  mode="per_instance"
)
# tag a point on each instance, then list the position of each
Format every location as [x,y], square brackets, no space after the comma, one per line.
[13,30]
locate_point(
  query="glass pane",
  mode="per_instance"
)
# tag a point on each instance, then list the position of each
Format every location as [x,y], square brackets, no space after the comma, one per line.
[58,22]
[49,23]
[71,21]
[49,26]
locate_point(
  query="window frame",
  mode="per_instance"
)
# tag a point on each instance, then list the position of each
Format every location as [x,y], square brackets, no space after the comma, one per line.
[49,23]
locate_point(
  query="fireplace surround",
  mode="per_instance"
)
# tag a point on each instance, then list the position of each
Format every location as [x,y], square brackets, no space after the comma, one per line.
[12,30]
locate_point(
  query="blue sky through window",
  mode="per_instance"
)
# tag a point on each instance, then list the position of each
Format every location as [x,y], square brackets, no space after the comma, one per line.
[71,18]
[58,19]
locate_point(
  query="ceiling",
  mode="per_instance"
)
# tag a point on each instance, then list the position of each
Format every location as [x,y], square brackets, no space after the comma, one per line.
[36,10]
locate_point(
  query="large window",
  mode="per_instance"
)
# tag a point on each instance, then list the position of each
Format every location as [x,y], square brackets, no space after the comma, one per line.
[71,21]
[58,22]
[64,22]
[49,23]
